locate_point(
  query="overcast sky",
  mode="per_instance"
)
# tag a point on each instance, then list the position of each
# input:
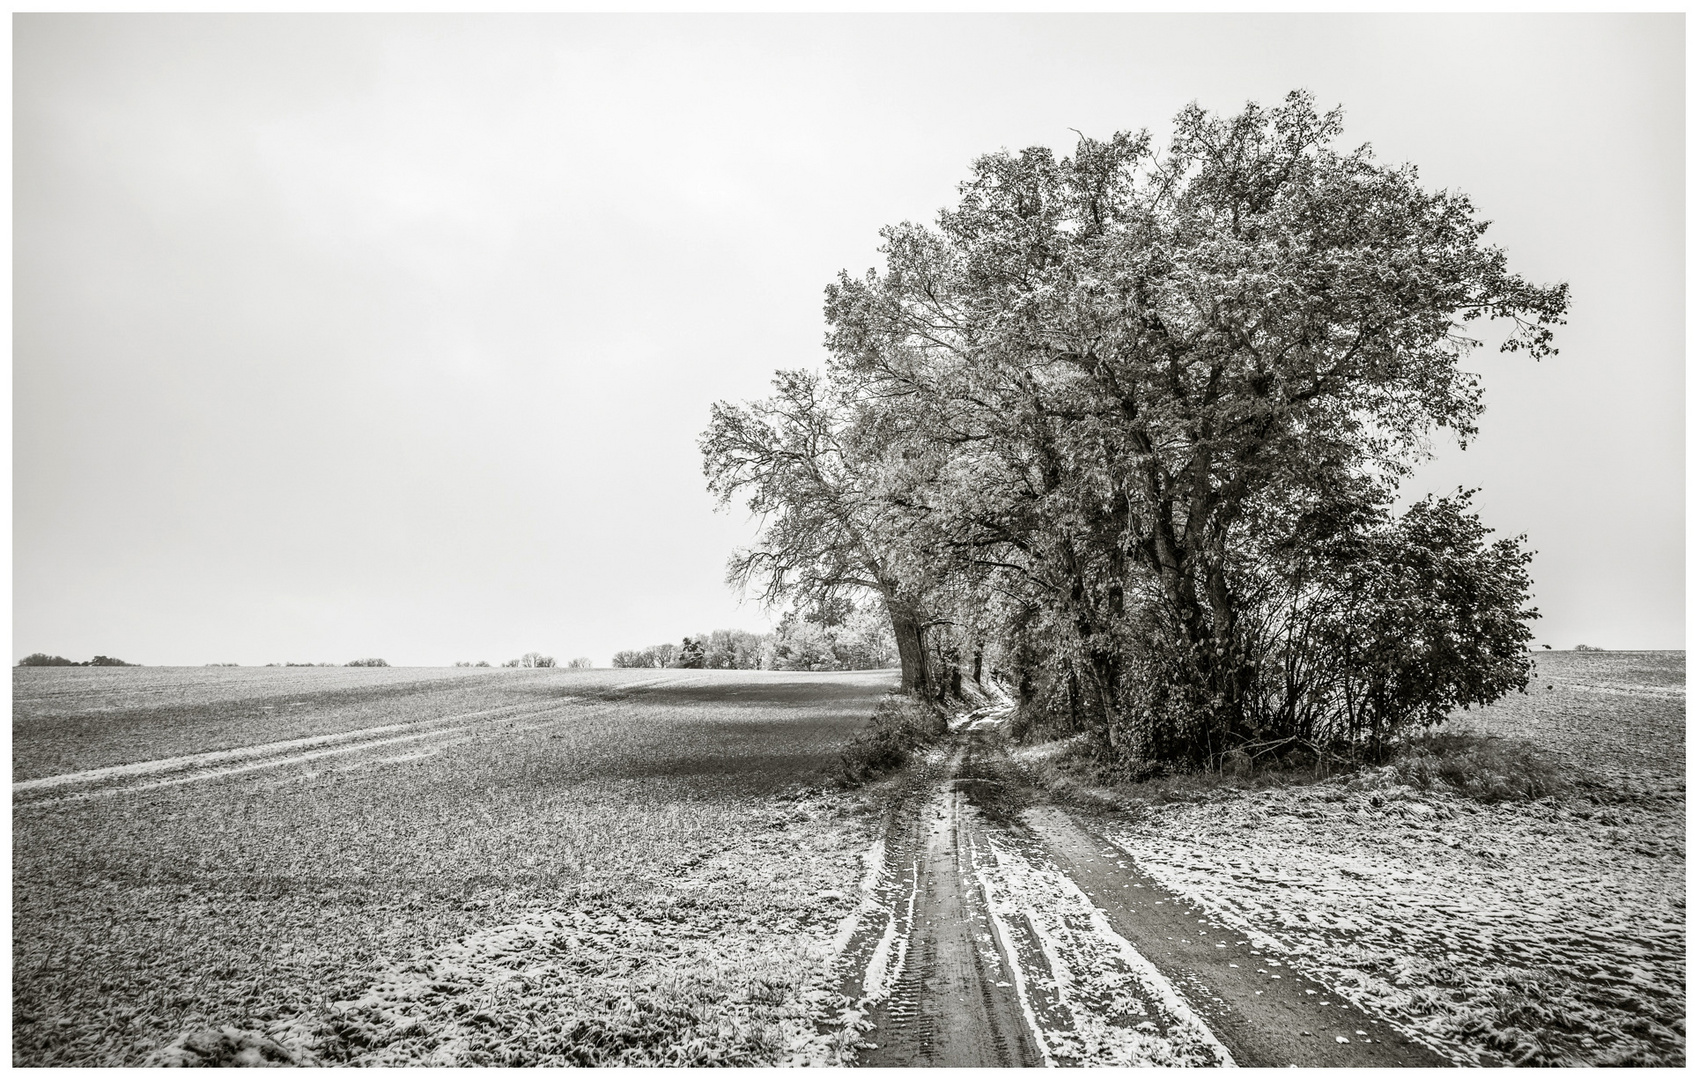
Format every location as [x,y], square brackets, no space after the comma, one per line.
[393,336]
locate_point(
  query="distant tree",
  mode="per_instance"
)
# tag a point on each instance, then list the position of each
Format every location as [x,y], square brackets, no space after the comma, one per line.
[372,661]
[510,663]
[463,663]
[45,660]
[655,656]
[690,655]
[109,661]
[801,645]
[580,662]
[729,649]
[535,660]
[1587,648]
[482,663]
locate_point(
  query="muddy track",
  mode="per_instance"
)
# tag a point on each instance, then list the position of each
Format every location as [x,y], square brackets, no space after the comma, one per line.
[1004,931]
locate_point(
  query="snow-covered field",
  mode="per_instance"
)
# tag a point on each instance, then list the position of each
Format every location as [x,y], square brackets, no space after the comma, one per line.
[727,965]
[1542,932]
[643,868]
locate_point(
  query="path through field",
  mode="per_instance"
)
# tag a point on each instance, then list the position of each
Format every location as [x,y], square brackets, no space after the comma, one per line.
[411,867]
[1007,933]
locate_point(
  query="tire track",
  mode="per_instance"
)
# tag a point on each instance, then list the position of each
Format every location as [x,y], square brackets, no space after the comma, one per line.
[436,732]
[999,934]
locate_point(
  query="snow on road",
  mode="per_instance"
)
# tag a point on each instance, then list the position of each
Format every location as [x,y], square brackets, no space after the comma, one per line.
[1103,1003]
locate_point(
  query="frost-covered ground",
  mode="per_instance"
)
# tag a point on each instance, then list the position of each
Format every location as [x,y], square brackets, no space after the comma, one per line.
[1548,932]
[727,965]
[1090,995]
[656,844]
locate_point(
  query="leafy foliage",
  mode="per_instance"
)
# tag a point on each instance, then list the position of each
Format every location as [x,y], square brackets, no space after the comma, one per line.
[901,725]
[1134,422]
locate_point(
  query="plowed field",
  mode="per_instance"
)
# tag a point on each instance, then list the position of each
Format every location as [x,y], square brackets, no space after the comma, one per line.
[356,862]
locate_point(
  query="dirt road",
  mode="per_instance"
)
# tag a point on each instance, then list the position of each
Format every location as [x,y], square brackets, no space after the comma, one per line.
[1005,931]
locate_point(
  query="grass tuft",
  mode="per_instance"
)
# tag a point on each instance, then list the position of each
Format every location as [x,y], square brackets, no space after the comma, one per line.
[1483,768]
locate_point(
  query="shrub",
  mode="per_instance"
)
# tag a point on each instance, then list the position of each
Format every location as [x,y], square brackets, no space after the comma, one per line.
[371,661]
[690,655]
[901,725]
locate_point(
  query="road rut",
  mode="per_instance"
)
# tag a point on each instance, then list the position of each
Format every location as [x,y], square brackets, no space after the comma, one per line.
[1003,931]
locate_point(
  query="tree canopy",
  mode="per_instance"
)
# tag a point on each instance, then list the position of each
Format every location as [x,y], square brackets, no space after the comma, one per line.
[1136,420]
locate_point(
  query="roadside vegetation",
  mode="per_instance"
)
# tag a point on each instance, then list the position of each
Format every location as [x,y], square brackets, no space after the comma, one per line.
[902,725]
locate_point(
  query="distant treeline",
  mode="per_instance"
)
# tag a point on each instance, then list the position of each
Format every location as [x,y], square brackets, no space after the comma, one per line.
[41,659]
[859,640]
[531,660]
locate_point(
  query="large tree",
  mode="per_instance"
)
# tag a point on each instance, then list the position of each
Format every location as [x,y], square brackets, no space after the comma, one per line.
[1134,359]
[830,506]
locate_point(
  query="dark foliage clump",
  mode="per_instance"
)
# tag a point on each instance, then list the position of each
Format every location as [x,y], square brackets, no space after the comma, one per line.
[46,660]
[39,659]
[1485,769]
[372,661]
[902,725]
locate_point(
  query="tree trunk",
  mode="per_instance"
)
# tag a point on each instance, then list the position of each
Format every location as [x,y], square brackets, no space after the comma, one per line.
[910,632]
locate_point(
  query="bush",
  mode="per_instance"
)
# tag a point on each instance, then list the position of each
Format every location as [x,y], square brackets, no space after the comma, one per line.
[1483,768]
[372,661]
[901,725]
